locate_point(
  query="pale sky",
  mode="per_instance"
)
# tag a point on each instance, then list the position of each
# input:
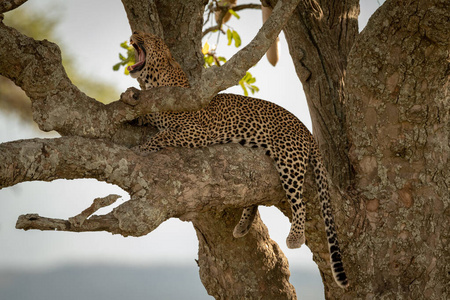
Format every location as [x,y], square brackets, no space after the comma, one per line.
[92,32]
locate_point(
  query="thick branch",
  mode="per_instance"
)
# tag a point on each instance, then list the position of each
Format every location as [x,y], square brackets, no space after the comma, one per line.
[57,104]
[251,267]
[170,183]
[143,15]
[136,103]
[398,117]
[182,24]
[7,5]
[320,34]
[67,157]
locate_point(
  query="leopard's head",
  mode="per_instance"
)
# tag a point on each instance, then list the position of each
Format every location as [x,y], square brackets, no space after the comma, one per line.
[155,65]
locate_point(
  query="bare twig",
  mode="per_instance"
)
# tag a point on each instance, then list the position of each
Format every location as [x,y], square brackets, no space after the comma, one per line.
[247,6]
[212,28]
[98,203]
[223,13]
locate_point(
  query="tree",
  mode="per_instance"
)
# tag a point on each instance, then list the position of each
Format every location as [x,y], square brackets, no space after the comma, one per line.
[379,106]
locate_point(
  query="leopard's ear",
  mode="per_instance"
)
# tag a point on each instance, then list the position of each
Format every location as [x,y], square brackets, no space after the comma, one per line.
[171,60]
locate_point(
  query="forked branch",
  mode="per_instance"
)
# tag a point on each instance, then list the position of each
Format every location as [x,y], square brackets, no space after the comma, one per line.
[234,69]
[98,203]
[224,179]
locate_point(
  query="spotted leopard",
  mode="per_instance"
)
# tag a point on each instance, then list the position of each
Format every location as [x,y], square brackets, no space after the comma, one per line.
[250,122]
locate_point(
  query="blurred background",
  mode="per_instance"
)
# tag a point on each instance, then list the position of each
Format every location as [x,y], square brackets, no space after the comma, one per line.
[161,265]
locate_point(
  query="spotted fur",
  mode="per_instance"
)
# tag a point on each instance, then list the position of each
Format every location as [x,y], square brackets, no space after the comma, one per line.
[250,122]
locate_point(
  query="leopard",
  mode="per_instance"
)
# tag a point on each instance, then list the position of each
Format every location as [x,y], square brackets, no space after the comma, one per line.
[250,122]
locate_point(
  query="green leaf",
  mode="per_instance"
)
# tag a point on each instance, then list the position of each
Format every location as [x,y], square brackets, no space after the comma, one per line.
[126,72]
[234,13]
[251,80]
[246,84]
[237,39]
[229,36]
[116,67]
[209,60]
[125,60]
[253,89]
[124,45]
[243,87]
[222,59]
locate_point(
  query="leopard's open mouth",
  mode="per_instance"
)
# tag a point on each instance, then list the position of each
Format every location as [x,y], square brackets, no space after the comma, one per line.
[140,55]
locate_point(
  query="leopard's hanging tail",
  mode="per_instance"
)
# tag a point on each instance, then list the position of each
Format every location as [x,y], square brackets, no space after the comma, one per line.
[320,177]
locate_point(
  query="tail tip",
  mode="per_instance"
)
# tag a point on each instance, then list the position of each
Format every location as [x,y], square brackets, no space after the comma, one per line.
[341,280]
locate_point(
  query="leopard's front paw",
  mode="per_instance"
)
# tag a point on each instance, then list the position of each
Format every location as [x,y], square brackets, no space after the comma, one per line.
[130,96]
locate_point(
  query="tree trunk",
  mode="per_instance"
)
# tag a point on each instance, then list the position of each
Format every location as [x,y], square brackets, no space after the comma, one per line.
[320,36]
[397,106]
[384,134]
[252,267]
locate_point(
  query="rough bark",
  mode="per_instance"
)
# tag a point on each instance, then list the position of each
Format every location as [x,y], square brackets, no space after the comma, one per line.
[7,5]
[379,106]
[171,183]
[249,268]
[397,89]
[320,35]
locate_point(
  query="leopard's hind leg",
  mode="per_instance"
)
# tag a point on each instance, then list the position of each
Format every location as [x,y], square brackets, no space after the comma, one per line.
[292,168]
[245,223]
[296,236]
